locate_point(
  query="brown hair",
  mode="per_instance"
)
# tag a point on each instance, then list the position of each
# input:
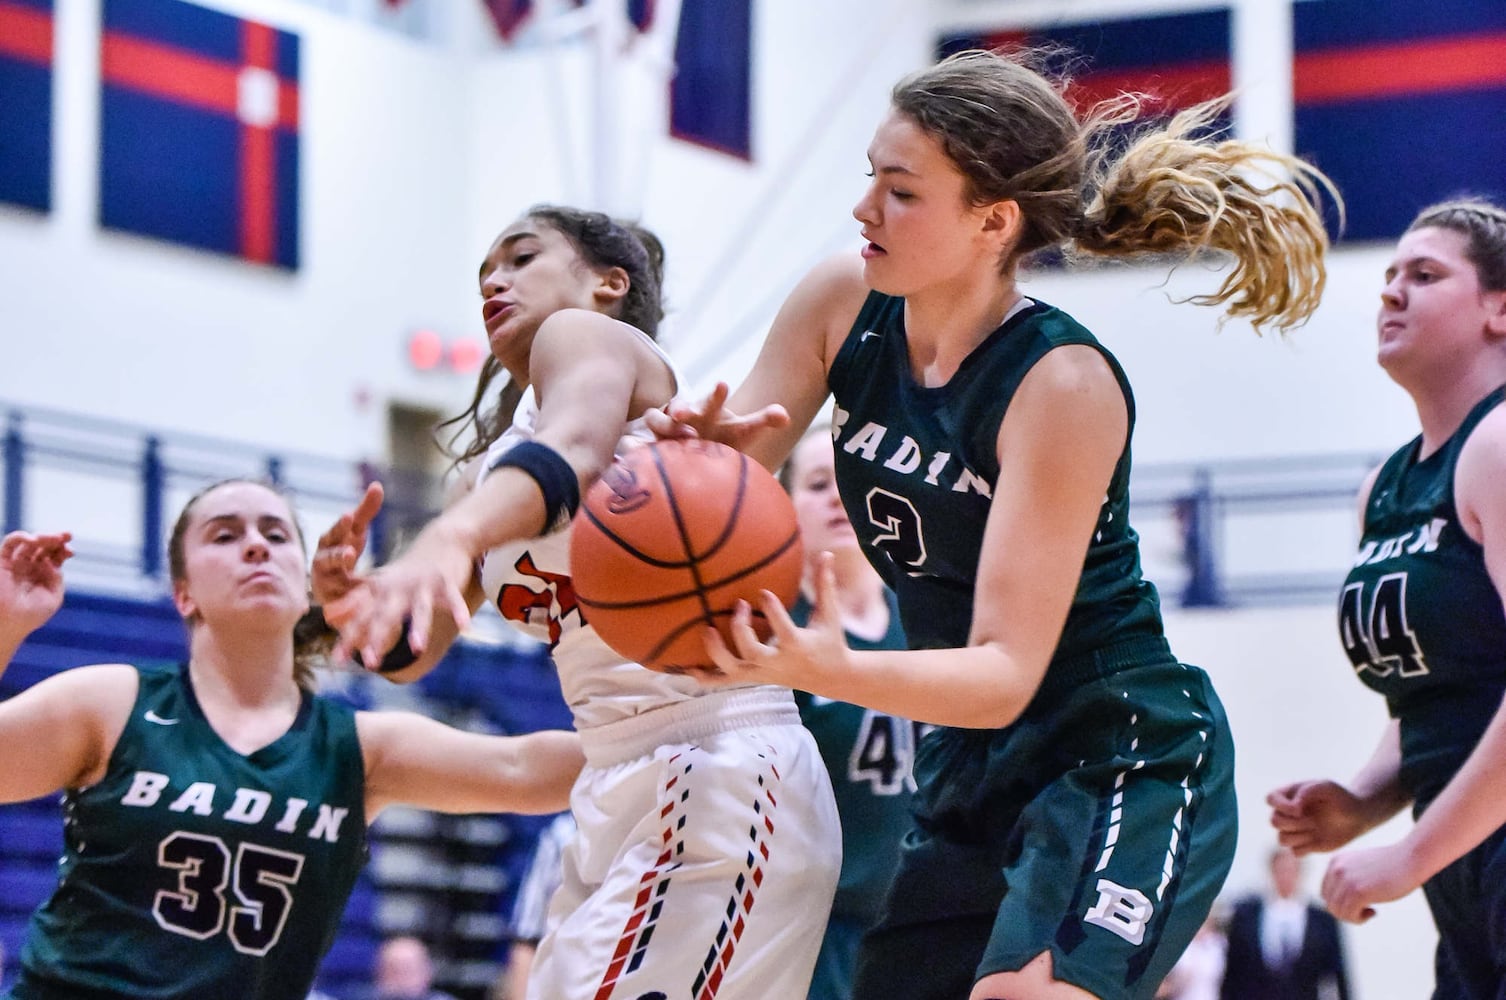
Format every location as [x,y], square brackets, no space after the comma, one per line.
[1482,223]
[1169,189]
[312,637]
[786,473]
[602,242]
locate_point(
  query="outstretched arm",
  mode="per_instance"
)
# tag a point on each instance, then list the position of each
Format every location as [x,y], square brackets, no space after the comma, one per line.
[416,761]
[31,585]
[1057,447]
[338,589]
[590,374]
[787,386]
[59,733]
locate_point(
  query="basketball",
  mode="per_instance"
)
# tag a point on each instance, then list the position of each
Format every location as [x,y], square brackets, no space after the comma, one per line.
[670,538]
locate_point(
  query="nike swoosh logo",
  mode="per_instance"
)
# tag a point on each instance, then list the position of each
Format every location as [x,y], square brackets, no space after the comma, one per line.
[151,716]
[867,334]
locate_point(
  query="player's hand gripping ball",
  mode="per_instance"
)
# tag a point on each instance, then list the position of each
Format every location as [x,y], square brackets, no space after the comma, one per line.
[667,541]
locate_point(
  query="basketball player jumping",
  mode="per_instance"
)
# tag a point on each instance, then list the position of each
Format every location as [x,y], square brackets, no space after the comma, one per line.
[709,848]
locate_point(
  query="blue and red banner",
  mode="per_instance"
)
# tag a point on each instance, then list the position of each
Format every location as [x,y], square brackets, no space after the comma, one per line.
[641,14]
[710,97]
[1402,106]
[199,129]
[1177,60]
[26,31]
[509,15]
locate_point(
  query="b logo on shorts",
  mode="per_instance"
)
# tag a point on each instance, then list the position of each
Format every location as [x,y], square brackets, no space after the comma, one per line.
[1123,911]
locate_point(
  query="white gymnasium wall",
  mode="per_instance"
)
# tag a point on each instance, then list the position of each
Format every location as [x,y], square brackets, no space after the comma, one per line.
[415,155]
[737,233]
[1298,712]
[133,329]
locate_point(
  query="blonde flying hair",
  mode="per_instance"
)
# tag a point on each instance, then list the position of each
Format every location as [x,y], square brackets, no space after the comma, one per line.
[1171,189]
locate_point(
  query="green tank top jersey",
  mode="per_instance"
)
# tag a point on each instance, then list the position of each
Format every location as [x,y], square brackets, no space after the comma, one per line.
[917,465]
[1418,615]
[192,871]
[870,757]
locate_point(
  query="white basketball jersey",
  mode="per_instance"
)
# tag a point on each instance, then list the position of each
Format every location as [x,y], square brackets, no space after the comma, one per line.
[529,583]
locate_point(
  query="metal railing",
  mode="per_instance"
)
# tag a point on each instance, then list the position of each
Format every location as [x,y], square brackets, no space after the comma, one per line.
[117,486]
[1214,534]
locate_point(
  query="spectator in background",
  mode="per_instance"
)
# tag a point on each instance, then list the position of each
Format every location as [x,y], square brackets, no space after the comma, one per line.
[405,971]
[530,915]
[868,754]
[1199,973]
[1281,945]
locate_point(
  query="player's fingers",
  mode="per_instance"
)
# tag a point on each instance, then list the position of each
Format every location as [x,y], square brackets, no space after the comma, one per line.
[367,510]
[380,626]
[781,626]
[455,604]
[328,557]
[744,640]
[715,400]
[828,607]
[15,543]
[421,619]
[1337,896]
[1300,842]
[56,554]
[1291,822]
[335,534]
[716,648]
[770,416]
[1281,797]
[36,555]
[670,422]
[60,548]
[338,613]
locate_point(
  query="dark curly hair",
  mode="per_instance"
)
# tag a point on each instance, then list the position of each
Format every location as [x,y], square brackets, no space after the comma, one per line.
[602,242]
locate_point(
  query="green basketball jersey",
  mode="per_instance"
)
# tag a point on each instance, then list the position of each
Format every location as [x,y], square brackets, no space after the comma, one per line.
[1419,617]
[917,465]
[192,871]
[870,757]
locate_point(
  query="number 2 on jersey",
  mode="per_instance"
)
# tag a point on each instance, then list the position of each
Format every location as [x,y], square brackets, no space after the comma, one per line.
[898,522]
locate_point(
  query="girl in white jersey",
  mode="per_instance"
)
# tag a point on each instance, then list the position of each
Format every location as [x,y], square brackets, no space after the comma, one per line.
[709,846]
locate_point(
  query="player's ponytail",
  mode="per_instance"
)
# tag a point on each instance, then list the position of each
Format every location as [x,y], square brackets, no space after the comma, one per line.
[1172,190]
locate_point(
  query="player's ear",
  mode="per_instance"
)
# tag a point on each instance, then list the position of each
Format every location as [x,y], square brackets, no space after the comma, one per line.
[612,286]
[1003,222]
[1495,316]
[185,604]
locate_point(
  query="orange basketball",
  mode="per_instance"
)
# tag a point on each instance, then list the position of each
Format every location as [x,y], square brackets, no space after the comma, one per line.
[667,541]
